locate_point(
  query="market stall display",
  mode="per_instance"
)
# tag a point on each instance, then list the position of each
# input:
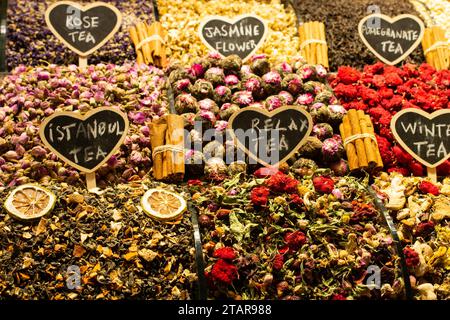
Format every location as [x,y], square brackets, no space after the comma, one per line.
[283,238]
[381,91]
[29,95]
[178,205]
[31,43]
[212,88]
[101,247]
[341,18]
[421,211]
[185,44]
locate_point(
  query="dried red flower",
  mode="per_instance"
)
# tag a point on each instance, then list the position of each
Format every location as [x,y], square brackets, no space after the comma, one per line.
[296,199]
[362,211]
[259,196]
[338,297]
[225,253]
[323,184]
[427,187]
[278,262]
[411,257]
[294,240]
[281,182]
[402,156]
[424,229]
[223,272]
[348,75]
[194,182]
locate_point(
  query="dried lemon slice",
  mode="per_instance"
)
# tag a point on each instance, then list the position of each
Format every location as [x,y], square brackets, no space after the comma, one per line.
[163,205]
[29,201]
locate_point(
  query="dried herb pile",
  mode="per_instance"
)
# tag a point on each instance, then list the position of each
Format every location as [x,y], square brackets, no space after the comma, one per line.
[282,238]
[421,211]
[341,18]
[31,43]
[29,95]
[120,252]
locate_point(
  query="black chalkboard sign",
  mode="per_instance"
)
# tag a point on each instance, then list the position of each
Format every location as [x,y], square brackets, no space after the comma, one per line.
[242,35]
[425,136]
[391,39]
[270,137]
[83,29]
[85,142]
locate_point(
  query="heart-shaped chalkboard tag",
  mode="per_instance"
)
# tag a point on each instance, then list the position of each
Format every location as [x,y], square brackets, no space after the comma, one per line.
[87,141]
[83,29]
[423,135]
[272,137]
[242,35]
[391,39]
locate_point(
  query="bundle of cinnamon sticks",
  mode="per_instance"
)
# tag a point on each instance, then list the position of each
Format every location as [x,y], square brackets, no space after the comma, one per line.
[167,141]
[313,45]
[149,43]
[360,142]
[436,48]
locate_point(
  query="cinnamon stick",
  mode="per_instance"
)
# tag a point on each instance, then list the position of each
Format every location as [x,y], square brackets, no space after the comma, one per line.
[142,32]
[374,143]
[369,148]
[346,131]
[356,129]
[175,137]
[135,38]
[157,137]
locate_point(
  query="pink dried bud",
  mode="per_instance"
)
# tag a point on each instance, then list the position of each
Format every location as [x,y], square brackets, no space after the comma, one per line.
[43,75]
[23,138]
[20,150]
[231,80]
[38,152]
[321,71]
[258,56]
[306,98]
[136,157]
[183,84]
[197,70]
[145,130]
[11,155]
[221,125]
[272,77]
[48,112]
[24,164]
[86,95]
[221,90]
[252,85]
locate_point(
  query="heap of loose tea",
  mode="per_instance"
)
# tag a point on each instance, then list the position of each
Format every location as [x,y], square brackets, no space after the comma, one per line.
[421,212]
[341,18]
[29,95]
[31,43]
[96,247]
[211,89]
[283,238]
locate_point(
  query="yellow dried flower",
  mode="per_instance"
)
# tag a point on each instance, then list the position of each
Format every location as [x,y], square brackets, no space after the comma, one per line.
[182,18]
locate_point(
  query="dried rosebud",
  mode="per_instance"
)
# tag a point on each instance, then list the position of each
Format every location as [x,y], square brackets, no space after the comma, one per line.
[182,86]
[205,221]
[38,152]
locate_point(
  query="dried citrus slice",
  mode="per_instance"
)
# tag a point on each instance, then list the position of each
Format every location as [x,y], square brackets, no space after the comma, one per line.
[162,204]
[29,201]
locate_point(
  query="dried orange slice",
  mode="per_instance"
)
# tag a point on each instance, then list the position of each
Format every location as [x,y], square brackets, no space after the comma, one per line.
[29,201]
[162,204]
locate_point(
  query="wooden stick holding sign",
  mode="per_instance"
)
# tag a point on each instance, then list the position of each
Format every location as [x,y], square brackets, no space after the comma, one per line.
[85,142]
[83,29]
[425,136]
